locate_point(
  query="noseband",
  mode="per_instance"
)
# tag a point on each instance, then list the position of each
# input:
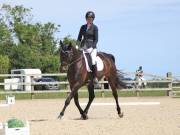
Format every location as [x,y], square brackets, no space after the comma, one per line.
[70,56]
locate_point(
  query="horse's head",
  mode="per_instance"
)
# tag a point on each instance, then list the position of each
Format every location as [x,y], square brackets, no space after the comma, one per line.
[66,55]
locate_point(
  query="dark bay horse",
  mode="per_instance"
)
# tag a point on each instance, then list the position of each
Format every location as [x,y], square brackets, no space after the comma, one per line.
[73,61]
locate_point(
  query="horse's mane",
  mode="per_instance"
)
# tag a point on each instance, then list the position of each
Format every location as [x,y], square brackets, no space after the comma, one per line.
[76,52]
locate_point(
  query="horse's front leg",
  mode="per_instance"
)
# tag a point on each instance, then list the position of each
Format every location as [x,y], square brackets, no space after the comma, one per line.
[68,99]
[91,97]
[74,89]
[76,101]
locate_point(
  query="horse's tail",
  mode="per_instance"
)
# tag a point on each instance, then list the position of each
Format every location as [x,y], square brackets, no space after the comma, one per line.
[112,57]
[120,80]
[119,76]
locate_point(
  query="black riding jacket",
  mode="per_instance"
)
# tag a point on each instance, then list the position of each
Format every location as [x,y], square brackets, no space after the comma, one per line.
[88,37]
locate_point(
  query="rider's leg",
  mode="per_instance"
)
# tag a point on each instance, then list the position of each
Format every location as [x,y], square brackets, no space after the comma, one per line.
[94,68]
[144,82]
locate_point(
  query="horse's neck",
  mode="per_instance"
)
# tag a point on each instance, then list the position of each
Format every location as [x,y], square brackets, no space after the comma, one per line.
[76,62]
[76,55]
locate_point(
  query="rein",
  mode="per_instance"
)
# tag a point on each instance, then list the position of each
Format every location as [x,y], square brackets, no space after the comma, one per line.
[74,61]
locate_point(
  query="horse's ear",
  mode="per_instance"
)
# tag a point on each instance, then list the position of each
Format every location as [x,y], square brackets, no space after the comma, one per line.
[70,46]
[61,43]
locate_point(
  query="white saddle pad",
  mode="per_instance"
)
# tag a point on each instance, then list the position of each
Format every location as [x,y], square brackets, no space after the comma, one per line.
[99,64]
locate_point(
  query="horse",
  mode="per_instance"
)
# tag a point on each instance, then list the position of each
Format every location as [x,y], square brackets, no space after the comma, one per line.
[73,62]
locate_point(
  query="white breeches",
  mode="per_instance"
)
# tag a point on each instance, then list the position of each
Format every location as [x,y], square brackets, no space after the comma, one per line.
[141,81]
[93,54]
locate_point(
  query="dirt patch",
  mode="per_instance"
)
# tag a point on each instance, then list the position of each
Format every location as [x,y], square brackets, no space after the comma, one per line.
[163,119]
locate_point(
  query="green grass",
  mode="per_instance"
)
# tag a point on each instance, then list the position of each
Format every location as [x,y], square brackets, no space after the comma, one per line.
[178,93]
[49,95]
[83,94]
[152,93]
[120,93]
[17,95]
[176,88]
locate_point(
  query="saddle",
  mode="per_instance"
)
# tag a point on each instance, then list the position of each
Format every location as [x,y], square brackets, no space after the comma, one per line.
[88,61]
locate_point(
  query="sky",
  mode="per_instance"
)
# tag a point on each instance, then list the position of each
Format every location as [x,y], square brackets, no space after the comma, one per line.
[137,32]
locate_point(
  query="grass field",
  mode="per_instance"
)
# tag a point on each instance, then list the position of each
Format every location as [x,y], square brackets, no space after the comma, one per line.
[82,94]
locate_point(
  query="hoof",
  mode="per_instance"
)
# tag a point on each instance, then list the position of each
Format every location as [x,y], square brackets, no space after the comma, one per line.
[121,115]
[84,116]
[60,116]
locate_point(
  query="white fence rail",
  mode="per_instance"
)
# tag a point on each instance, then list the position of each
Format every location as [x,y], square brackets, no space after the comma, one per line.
[168,80]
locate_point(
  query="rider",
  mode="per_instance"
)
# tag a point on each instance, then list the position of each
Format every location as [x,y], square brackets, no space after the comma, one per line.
[139,72]
[139,75]
[88,38]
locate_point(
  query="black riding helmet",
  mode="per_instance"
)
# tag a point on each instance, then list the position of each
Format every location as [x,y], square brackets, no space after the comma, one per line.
[90,14]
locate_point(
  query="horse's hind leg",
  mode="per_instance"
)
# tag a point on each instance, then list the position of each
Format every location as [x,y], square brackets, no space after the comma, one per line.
[115,94]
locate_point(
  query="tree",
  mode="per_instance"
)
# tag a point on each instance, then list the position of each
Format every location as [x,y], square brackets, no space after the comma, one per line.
[27,44]
[39,36]
[4,64]
[23,57]
[26,58]
[16,14]
[50,64]
[68,39]
[48,41]
[6,40]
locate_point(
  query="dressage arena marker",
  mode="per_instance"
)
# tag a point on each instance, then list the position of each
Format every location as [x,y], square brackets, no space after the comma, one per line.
[124,104]
[10,100]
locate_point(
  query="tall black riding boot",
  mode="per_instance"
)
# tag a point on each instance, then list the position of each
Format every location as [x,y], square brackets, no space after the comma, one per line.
[94,69]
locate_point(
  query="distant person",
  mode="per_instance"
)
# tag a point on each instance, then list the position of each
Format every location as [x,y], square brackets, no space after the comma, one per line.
[139,77]
[88,38]
[139,72]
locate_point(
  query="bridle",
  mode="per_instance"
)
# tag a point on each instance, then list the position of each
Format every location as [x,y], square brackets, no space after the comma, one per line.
[70,55]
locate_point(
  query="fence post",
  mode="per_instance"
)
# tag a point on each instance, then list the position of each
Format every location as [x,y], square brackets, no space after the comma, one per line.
[138,93]
[32,83]
[169,78]
[102,88]
[68,89]
[32,95]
